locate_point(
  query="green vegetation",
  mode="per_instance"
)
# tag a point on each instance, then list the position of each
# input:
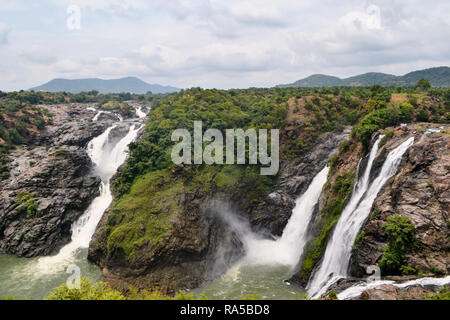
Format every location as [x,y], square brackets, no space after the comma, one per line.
[338,194]
[4,171]
[144,214]
[375,214]
[423,84]
[26,205]
[401,236]
[102,291]
[121,107]
[438,77]
[358,240]
[389,133]
[150,187]
[332,295]
[19,120]
[22,115]
[443,294]
[382,118]
[59,153]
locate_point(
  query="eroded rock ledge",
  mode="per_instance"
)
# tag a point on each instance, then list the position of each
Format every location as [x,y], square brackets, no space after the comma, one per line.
[187,256]
[50,183]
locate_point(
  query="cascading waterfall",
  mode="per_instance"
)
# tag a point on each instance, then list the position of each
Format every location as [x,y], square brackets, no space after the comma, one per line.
[356,290]
[287,249]
[99,113]
[107,160]
[267,263]
[35,277]
[140,113]
[336,259]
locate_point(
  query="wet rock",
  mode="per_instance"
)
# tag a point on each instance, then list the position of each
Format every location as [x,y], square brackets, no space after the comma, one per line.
[391,292]
[416,192]
[51,183]
[201,245]
[295,177]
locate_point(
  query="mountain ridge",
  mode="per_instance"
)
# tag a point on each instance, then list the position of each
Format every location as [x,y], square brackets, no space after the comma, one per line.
[438,77]
[120,85]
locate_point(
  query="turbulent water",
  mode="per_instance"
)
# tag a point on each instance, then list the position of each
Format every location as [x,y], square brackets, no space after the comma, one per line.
[268,262]
[287,249]
[34,278]
[356,290]
[267,281]
[336,259]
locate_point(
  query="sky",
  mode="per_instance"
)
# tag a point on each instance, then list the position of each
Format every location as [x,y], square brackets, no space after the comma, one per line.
[217,43]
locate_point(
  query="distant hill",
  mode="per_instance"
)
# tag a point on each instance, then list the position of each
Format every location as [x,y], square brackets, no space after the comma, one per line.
[439,77]
[129,84]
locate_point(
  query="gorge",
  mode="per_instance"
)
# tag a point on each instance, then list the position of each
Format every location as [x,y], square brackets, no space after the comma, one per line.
[227,231]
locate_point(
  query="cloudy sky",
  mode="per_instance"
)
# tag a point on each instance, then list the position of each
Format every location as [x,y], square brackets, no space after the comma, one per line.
[217,43]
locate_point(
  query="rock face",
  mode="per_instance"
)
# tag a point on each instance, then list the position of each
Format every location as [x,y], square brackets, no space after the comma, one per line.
[50,183]
[201,245]
[390,292]
[295,177]
[184,259]
[420,191]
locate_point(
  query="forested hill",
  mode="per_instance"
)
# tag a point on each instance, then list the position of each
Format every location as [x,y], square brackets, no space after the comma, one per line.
[129,84]
[438,77]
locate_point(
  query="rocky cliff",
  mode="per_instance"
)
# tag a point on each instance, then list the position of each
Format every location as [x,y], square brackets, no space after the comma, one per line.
[420,191]
[199,244]
[50,182]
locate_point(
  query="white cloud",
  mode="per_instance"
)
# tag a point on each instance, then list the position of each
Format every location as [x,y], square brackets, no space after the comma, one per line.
[234,43]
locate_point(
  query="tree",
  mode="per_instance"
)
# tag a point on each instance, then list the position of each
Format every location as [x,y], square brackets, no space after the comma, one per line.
[423,84]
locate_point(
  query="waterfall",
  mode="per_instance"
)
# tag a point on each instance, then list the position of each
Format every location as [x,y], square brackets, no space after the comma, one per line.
[336,259]
[107,165]
[140,113]
[266,262]
[107,159]
[287,249]
[99,113]
[355,291]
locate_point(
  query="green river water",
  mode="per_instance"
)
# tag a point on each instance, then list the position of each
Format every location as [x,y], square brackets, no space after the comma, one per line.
[23,278]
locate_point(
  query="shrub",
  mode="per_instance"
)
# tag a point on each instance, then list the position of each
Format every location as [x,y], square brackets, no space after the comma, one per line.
[27,205]
[423,84]
[87,291]
[332,295]
[423,116]
[443,294]
[389,133]
[382,118]
[401,237]
[358,240]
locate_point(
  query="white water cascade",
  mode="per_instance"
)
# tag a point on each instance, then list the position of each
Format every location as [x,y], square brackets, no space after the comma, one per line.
[140,113]
[357,290]
[268,262]
[107,158]
[336,259]
[287,249]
